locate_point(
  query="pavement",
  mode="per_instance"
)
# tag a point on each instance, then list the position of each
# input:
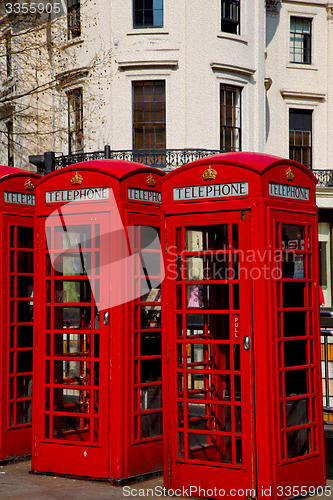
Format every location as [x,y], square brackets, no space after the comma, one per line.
[16,483]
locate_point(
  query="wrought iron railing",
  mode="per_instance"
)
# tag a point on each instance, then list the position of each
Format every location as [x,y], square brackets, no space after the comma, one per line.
[325,177]
[167,159]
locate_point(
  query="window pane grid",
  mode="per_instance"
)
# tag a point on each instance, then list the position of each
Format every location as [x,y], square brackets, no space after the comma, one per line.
[295,344]
[21,326]
[230,16]
[209,395]
[147,13]
[230,118]
[300,136]
[147,383]
[300,40]
[149,126]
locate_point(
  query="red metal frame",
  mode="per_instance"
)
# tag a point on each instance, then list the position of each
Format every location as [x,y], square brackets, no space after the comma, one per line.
[16,240]
[281,368]
[85,421]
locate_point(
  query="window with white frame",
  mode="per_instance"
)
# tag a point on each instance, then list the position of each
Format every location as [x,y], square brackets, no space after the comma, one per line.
[300,40]
[230,118]
[230,16]
[147,13]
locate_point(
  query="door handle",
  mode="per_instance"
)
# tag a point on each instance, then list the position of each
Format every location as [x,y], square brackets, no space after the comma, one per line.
[106,318]
[247,343]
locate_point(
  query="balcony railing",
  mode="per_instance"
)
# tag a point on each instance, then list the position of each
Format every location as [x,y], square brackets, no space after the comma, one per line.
[325,177]
[166,159]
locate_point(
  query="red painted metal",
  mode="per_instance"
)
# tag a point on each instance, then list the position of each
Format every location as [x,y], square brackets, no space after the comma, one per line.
[16,243]
[97,411]
[242,377]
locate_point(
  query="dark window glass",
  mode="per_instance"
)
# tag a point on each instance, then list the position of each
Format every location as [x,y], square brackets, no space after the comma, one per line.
[149,126]
[230,118]
[75,121]
[10,143]
[73,18]
[300,136]
[230,16]
[147,13]
[300,40]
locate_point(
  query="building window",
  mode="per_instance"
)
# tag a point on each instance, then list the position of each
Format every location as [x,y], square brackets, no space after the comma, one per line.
[73,18]
[75,121]
[300,136]
[230,16]
[230,118]
[149,130]
[10,143]
[300,40]
[147,13]
[8,51]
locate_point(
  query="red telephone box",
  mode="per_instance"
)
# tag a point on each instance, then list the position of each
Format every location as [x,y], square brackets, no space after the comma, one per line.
[242,380]
[98,406]
[17,200]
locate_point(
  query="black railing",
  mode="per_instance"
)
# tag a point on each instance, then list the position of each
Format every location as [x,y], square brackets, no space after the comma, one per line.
[325,177]
[166,159]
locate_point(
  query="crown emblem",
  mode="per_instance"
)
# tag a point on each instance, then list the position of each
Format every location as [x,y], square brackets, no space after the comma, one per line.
[209,174]
[29,185]
[76,179]
[151,181]
[289,175]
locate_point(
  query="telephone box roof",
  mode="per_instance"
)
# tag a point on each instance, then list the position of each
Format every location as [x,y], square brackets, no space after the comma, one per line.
[257,162]
[7,172]
[118,169]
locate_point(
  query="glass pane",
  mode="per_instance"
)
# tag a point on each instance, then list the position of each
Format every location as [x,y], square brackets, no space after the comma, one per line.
[68,237]
[208,267]
[297,412]
[24,361]
[294,323]
[73,264]
[24,335]
[151,343]
[151,370]
[294,294]
[71,428]
[293,266]
[25,262]
[295,352]
[24,386]
[151,425]
[25,237]
[151,398]
[207,296]
[210,448]
[23,412]
[213,237]
[71,372]
[72,291]
[151,317]
[295,382]
[72,317]
[292,236]
[297,443]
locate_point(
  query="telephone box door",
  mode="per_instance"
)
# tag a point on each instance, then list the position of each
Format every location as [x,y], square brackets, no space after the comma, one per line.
[73,344]
[209,353]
